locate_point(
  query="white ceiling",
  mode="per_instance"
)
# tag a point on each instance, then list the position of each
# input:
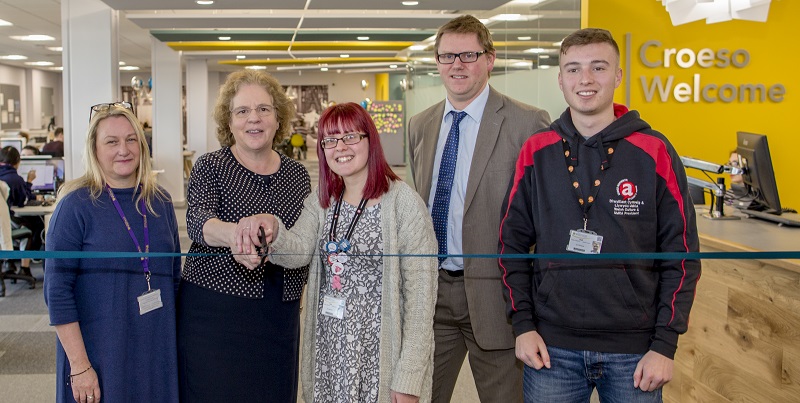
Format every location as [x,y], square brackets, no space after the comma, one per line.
[286,33]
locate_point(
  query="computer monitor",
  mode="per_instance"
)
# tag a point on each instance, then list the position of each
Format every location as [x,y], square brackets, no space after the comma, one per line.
[49,172]
[759,176]
[16,142]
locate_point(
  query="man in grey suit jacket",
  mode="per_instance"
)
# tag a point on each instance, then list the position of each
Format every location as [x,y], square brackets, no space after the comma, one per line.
[470,310]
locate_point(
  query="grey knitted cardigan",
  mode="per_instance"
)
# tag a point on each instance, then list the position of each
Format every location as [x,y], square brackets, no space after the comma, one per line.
[408,292]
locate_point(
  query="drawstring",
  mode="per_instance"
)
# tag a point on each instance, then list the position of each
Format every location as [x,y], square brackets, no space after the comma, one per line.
[604,164]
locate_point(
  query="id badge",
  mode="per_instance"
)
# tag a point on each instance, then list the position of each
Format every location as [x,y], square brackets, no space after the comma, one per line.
[584,241]
[333,307]
[150,301]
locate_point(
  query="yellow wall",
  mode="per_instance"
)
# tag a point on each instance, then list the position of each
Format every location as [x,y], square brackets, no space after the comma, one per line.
[707,130]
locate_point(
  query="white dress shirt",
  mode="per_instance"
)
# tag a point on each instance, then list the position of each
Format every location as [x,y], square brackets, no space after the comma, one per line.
[468,136]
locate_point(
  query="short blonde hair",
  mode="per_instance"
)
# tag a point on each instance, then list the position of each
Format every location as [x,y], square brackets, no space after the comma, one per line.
[93,178]
[284,108]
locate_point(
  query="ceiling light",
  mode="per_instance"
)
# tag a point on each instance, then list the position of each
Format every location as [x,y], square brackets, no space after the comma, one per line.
[418,47]
[410,3]
[129,68]
[121,63]
[363,38]
[55,48]
[544,66]
[535,50]
[39,63]
[323,69]
[485,21]
[427,59]
[224,38]
[241,57]
[14,57]
[4,23]
[506,17]
[524,38]
[392,66]
[544,56]
[344,56]
[256,67]
[58,68]
[522,64]
[33,38]
[205,2]
[557,43]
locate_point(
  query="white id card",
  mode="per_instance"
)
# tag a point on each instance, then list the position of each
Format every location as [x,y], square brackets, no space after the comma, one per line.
[150,301]
[333,307]
[584,241]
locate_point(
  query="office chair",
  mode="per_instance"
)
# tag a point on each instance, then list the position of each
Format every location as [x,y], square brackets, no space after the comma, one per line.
[22,237]
[12,234]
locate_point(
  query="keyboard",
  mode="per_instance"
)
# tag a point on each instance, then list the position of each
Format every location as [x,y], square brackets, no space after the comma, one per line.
[785,219]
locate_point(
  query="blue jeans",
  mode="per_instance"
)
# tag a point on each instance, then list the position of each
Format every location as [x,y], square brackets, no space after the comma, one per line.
[573,374]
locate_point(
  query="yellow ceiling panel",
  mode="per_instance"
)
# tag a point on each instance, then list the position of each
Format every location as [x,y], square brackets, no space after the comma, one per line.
[283,45]
[316,60]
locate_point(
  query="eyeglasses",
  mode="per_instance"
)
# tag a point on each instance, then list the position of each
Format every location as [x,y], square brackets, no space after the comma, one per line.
[261,110]
[466,57]
[106,106]
[348,139]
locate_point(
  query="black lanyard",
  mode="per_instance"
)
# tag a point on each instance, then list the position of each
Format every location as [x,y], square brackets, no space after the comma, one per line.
[572,162]
[356,216]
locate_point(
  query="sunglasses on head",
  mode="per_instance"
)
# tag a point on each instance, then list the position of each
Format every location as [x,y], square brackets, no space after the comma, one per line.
[106,106]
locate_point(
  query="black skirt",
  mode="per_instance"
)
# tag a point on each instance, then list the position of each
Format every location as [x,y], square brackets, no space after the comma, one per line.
[238,349]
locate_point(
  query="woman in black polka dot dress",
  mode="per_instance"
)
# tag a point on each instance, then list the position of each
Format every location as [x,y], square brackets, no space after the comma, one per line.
[238,320]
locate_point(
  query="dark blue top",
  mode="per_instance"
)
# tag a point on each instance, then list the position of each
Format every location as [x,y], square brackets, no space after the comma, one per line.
[20,191]
[135,356]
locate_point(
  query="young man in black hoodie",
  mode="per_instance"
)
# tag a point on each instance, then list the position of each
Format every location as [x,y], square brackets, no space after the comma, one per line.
[599,180]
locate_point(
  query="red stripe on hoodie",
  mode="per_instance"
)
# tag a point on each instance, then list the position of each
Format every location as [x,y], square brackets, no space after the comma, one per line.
[525,159]
[658,152]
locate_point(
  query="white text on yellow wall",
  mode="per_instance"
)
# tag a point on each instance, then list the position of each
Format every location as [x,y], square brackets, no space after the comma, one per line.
[697,90]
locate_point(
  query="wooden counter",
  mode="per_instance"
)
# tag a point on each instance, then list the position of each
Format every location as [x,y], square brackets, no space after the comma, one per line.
[743,342]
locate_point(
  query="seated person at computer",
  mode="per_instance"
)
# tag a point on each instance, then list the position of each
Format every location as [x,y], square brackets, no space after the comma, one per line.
[29,151]
[55,147]
[19,193]
[737,189]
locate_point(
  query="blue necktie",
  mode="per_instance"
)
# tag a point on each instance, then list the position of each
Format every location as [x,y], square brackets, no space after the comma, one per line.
[447,169]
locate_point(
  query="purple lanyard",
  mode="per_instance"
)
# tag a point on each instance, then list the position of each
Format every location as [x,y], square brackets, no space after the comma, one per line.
[145,260]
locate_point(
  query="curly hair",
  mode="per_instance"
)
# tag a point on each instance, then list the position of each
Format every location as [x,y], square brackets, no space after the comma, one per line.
[284,108]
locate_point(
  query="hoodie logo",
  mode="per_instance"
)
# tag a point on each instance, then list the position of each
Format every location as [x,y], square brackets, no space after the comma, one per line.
[626,189]
[627,192]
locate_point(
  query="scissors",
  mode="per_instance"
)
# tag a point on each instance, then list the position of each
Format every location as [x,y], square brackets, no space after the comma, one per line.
[263,249]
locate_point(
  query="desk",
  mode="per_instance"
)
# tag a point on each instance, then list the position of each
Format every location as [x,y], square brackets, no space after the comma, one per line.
[34,210]
[744,328]
[42,211]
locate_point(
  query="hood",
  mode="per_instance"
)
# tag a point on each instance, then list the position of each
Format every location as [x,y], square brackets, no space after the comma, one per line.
[627,123]
[6,169]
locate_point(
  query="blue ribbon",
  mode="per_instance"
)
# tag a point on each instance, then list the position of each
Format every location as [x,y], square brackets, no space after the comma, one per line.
[552,256]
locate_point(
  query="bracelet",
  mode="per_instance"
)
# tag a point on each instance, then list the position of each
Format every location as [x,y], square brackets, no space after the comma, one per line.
[79,373]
